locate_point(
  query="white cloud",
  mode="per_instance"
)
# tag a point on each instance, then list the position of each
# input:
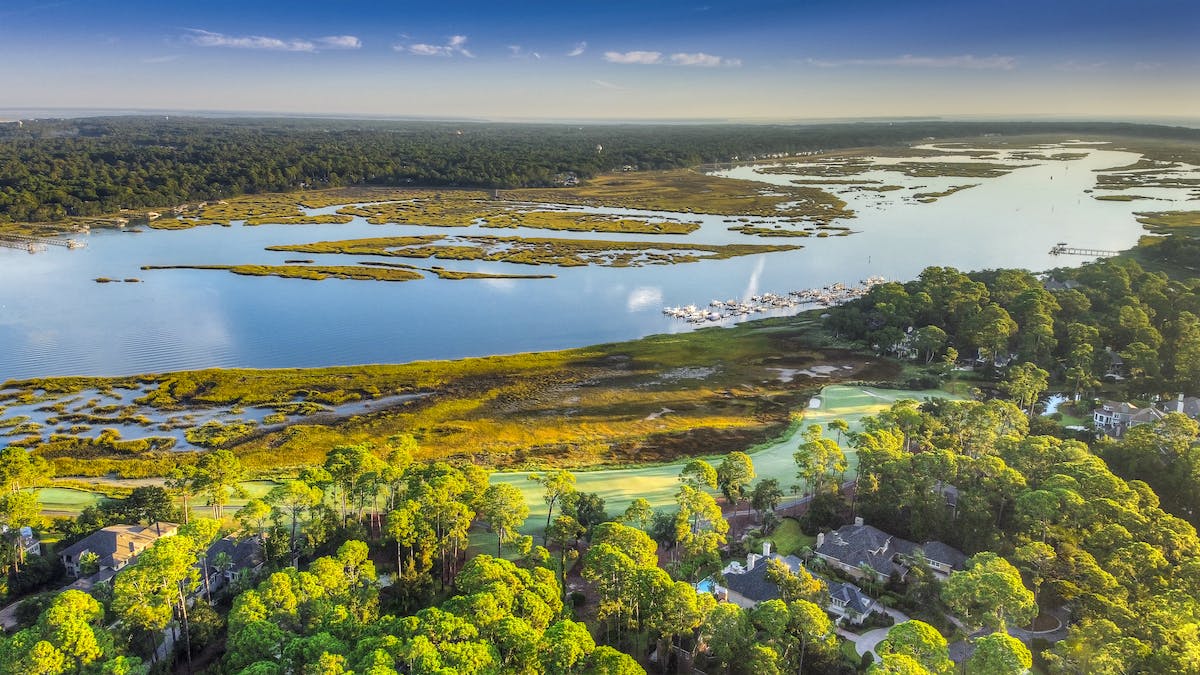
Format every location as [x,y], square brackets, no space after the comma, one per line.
[967,61]
[1080,66]
[518,52]
[160,59]
[643,298]
[640,57]
[703,60]
[204,38]
[578,49]
[340,42]
[456,44]
[604,84]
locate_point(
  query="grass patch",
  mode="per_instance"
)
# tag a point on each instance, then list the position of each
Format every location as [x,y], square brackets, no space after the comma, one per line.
[685,191]
[311,273]
[1165,220]
[535,251]
[928,197]
[787,539]
[460,208]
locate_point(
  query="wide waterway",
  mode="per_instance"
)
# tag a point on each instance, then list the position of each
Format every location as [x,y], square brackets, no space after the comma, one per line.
[55,320]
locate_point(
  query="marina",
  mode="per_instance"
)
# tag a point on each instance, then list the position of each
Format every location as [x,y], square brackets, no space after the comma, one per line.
[723,310]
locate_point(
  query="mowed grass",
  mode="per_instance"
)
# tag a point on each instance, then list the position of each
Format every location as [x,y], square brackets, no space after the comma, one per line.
[71,501]
[787,539]
[658,484]
[59,501]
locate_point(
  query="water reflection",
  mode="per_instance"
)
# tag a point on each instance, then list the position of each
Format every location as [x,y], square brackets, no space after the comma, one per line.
[54,320]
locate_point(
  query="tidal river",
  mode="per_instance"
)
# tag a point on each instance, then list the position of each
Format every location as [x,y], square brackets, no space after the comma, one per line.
[55,320]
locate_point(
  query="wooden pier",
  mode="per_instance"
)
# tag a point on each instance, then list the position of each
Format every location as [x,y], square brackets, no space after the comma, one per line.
[1061,248]
[23,246]
[35,244]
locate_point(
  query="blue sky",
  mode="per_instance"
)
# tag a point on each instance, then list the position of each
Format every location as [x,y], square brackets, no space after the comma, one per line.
[614,59]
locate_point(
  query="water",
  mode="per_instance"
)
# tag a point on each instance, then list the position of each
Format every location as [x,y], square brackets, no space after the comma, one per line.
[55,320]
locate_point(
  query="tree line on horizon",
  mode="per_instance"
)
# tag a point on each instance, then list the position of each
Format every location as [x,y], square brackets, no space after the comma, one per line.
[57,168]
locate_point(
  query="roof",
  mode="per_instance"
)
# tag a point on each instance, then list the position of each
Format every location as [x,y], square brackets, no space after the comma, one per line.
[851,596]
[245,553]
[944,553]
[1190,405]
[857,545]
[119,543]
[754,585]
[1146,416]
[948,492]
[961,650]
[1053,284]
[1119,407]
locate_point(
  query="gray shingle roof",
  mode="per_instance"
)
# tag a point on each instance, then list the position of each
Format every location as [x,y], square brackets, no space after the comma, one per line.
[850,596]
[936,551]
[856,545]
[754,585]
[245,553]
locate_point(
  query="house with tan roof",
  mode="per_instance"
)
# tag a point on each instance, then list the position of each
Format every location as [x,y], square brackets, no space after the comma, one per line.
[116,546]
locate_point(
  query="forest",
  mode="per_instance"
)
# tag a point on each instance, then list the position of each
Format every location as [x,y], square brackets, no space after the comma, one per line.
[57,168]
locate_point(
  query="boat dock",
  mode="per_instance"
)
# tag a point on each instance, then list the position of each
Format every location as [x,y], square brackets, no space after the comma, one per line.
[722,310]
[37,244]
[1061,248]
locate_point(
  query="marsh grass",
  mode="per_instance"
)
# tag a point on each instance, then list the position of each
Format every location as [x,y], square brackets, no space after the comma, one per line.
[1162,221]
[686,191]
[645,401]
[535,250]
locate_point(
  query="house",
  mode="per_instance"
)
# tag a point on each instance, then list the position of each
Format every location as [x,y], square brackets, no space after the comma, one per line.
[849,601]
[948,492]
[1116,365]
[1189,406]
[942,558]
[231,558]
[1116,417]
[26,541]
[1053,284]
[855,549]
[747,585]
[115,546]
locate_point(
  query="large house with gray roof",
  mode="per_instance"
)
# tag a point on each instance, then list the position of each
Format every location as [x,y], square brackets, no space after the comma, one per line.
[746,585]
[856,548]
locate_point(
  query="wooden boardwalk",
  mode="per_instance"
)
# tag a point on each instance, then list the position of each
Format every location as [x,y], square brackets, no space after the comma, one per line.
[35,244]
[1063,249]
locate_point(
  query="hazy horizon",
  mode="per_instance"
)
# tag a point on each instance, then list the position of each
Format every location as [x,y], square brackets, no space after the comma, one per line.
[749,61]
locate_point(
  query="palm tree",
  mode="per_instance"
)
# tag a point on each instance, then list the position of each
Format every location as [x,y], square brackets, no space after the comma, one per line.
[223,562]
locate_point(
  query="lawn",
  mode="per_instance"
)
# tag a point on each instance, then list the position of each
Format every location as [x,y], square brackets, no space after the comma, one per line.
[70,501]
[619,487]
[787,539]
[57,501]
[659,483]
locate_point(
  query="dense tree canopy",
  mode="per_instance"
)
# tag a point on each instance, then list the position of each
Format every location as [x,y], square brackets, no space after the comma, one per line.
[53,168]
